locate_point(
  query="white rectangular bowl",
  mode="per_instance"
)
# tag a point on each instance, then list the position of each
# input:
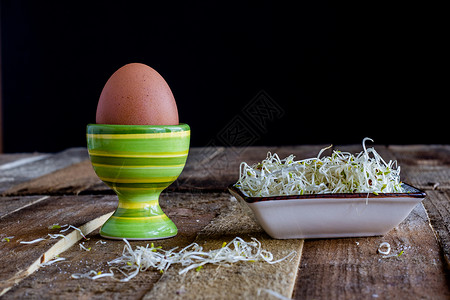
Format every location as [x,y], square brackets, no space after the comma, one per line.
[331,215]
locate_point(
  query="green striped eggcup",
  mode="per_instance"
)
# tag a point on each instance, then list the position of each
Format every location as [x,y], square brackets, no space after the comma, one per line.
[138,162]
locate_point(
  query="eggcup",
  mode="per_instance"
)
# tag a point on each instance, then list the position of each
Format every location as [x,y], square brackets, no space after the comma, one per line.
[138,162]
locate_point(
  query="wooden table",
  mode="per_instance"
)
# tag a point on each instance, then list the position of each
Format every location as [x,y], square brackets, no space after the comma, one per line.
[39,190]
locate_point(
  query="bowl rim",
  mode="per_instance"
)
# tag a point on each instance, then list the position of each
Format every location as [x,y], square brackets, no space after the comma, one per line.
[413,192]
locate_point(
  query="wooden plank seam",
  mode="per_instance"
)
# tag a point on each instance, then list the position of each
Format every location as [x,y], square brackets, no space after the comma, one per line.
[62,245]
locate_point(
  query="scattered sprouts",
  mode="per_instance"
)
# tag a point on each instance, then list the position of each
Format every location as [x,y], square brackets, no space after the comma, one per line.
[57,235]
[50,262]
[83,247]
[7,239]
[342,172]
[75,228]
[92,274]
[384,248]
[191,257]
[54,226]
[33,241]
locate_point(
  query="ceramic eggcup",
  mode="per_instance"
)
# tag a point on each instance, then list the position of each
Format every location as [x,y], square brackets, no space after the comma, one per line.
[138,162]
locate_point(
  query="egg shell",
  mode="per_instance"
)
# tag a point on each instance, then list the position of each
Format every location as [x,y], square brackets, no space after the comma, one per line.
[137,95]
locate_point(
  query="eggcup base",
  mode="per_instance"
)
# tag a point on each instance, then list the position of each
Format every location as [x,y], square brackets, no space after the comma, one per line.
[129,229]
[134,239]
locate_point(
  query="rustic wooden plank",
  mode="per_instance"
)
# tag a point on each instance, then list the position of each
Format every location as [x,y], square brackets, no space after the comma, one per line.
[73,179]
[427,177]
[352,269]
[32,222]
[337,263]
[13,161]
[437,205]
[428,167]
[9,205]
[422,154]
[190,212]
[7,158]
[424,166]
[53,252]
[246,280]
[14,175]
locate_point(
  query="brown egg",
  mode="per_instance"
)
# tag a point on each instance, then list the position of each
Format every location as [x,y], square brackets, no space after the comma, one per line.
[137,95]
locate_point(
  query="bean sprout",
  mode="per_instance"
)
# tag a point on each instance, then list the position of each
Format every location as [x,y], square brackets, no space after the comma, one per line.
[83,247]
[76,228]
[33,241]
[92,274]
[50,262]
[342,172]
[384,248]
[7,239]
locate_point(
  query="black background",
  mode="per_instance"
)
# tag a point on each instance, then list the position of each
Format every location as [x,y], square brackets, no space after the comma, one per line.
[339,70]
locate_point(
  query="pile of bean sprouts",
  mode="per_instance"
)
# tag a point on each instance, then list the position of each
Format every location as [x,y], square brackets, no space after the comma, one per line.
[342,172]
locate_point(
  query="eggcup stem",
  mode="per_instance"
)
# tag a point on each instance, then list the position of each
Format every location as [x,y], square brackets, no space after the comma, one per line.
[138,216]
[138,162]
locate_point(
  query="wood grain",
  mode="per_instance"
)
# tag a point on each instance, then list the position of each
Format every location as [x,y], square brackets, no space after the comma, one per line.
[24,172]
[428,168]
[437,205]
[73,179]
[352,268]
[9,205]
[189,212]
[422,154]
[245,280]
[32,222]
[329,268]
[425,166]
[7,158]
